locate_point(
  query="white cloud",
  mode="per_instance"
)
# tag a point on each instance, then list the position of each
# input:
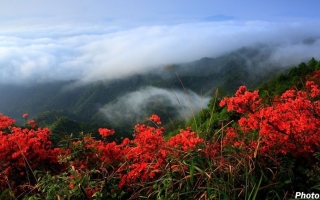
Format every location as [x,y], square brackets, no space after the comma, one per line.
[134,106]
[89,53]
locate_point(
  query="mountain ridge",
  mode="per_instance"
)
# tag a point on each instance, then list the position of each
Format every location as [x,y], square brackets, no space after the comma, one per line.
[202,76]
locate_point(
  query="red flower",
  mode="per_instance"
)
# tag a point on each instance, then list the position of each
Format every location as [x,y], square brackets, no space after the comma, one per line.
[155,118]
[32,123]
[104,132]
[313,88]
[236,144]
[5,121]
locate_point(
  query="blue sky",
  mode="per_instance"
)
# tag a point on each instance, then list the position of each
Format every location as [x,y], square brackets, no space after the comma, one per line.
[102,39]
[155,11]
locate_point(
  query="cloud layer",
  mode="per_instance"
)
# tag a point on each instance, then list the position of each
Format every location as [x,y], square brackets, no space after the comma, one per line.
[89,53]
[133,107]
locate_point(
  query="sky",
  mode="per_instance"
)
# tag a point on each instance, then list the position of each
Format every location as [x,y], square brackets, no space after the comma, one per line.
[42,40]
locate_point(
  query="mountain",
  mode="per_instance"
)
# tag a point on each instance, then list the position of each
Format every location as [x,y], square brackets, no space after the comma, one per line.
[85,103]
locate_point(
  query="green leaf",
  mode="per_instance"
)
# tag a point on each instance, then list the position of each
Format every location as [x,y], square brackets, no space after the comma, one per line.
[192,173]
[287,181]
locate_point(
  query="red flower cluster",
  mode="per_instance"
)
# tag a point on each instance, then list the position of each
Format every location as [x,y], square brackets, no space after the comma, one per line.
[144,156]
[155,119]
[313,88]
[185,141]
[243,101]
[32,123]
[139,160]
[5,122]
[290,125]
[21,150]
[104,132]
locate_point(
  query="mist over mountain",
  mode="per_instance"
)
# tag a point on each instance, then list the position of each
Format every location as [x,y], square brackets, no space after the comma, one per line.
[130,99]
[134,106]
